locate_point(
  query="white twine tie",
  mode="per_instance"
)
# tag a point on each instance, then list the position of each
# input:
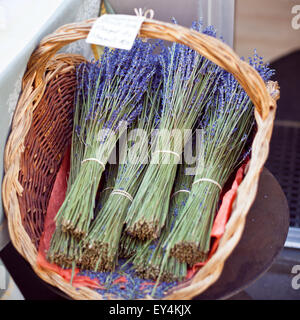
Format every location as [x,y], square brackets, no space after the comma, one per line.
[208,180]
[123,193]
[96,160]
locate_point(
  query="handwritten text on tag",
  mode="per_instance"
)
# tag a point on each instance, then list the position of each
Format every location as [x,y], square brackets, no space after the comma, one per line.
[115,30]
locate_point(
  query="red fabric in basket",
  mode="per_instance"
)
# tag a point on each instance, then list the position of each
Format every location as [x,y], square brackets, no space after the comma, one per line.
[58,196]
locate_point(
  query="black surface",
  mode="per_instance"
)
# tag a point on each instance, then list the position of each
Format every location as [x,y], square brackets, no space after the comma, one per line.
[284,155]
[263,238]
[284,163]
[30,285]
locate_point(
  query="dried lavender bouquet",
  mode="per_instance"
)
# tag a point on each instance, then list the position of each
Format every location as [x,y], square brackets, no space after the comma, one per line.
[226,128]
[189,81]
[112,94]
[102,240]
[150,259]
[110,175]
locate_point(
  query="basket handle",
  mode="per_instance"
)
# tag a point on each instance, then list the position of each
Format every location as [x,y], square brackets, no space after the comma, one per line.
[211,48]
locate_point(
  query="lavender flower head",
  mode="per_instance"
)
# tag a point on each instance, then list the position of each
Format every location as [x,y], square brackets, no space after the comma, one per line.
[112,88]
[183,72]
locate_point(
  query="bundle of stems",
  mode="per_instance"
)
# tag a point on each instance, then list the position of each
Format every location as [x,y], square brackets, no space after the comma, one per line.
[66,250]
[226,128]
[64,247]
[112,92]
[189,80]
[150,260]
[128,246]
[110,176]
[77,152]
[102,240]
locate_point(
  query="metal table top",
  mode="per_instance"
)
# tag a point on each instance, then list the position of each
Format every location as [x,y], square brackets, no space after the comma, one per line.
[263,238]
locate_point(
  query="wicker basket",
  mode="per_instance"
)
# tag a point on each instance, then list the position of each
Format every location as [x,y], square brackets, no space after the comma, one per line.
[41,132]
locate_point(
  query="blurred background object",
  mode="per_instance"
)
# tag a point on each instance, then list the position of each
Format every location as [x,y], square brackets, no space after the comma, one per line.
[219,13]
[267,26]
[273,28]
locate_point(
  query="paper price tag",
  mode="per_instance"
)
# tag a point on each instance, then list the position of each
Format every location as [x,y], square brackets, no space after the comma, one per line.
[115,30]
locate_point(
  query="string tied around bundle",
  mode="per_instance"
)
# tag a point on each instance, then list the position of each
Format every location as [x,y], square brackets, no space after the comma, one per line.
[123,193]
[94,159]
[208,180]
[168,151]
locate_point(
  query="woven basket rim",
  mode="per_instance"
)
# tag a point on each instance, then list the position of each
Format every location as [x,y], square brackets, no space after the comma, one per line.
[34,83]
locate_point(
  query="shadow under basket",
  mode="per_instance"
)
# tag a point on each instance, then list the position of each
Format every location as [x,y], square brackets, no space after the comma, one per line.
[42,128]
